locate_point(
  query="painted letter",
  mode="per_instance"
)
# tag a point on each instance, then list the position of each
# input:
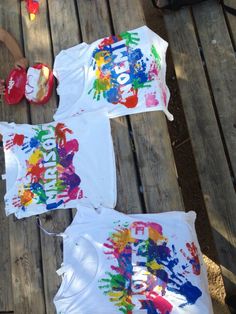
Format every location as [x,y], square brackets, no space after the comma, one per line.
[49,144]
[123,78]
[51,155]
[50,173]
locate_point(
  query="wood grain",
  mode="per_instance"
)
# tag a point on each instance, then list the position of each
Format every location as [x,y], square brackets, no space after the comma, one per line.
[231,19]
[24,236]
[215,178]
[221,66]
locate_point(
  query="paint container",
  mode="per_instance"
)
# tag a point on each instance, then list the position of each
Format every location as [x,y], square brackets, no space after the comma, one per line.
[35,85]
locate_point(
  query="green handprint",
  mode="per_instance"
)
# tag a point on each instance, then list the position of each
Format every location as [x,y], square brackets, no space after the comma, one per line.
[40,133]
[130,38]
[156,56]
[115,288]
[137,84]
[100,86]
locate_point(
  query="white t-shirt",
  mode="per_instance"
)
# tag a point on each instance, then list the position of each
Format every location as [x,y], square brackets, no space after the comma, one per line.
[59,164]
[126,73]
[137,264]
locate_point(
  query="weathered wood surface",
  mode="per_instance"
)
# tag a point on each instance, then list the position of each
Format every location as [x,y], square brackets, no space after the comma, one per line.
[221,67]
[27,279]
[213,168]
[6,298]
[231,20]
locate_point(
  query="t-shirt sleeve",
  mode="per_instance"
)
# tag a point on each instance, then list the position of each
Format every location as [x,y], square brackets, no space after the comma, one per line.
[69,69]
[67,59]
[157,41]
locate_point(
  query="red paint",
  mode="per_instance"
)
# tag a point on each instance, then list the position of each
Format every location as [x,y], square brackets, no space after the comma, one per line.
[160,303]
[60,132]
[193,258]
[109,41]
[36,172]
[18,139]
[131,101]
[32,6]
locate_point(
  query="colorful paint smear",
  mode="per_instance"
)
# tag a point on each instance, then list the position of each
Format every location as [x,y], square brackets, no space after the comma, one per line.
[145,268]
[50,177]
[121,69]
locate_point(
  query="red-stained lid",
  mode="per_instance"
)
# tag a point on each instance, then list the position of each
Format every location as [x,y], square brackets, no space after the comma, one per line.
[15,86]
[45,88]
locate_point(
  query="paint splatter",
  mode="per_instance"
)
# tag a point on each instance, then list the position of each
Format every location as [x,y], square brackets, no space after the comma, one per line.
[193,258]
[16,139]
[50,177]
[122,70]
[151,100]
[145,268]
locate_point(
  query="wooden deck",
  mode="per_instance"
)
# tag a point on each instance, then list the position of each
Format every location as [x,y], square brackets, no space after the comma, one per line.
[147,178]
[202,42]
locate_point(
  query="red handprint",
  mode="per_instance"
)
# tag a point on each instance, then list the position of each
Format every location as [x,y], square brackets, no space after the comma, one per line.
[193,258]
[16,139]
[60,132]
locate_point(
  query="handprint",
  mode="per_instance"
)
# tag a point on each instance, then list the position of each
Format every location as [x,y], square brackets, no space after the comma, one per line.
[40,133]
[71,194]
[108,41]
[130,38]
[16,139]
[24,199]
[100,86]
[118,242]
[30,145]
[36,172]
[39,192]
[116,288]
[151,100]
[60,133]
[192,258]
[16,202]
[186,289]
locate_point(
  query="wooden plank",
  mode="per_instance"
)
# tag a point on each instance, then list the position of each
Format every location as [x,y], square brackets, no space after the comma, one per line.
[95,23]
[6,298]
[65,29]
[37,44]
[221,66]
[24,237]
[208,149]
[231,19]
[152,143]
[41,50]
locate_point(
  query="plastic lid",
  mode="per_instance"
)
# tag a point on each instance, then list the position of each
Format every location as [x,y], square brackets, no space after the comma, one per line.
[15,86]
[44,86]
